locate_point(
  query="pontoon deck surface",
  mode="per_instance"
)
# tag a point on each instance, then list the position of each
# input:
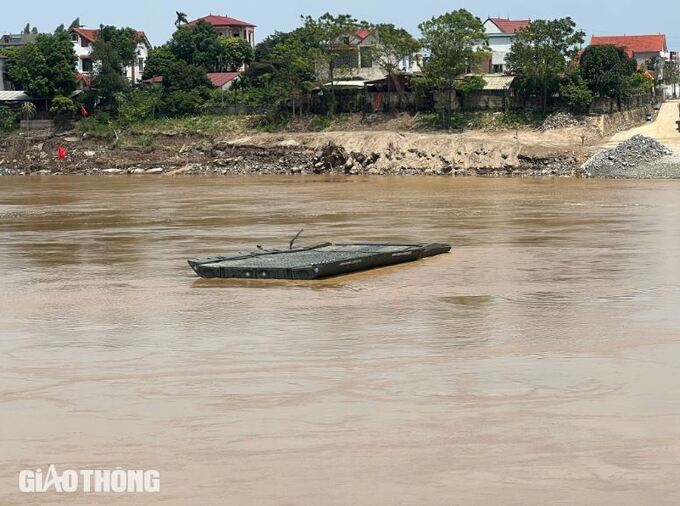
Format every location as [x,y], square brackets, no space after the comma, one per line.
[312,262]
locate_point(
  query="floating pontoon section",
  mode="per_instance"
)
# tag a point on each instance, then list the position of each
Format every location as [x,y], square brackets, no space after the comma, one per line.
[312,262]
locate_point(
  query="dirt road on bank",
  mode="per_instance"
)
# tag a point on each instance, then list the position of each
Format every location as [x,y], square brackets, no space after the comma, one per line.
[664,129]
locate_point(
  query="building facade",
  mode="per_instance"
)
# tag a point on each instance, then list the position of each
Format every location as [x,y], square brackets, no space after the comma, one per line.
[16,39]
[7,41]
[4,82]
[83,38]
[230,27]
[361,63]
[501,33]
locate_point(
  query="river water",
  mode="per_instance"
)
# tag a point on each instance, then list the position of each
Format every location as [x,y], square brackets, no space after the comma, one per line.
[537,363]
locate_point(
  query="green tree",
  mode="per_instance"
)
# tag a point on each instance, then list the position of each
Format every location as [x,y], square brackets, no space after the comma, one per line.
[158,62]
[605,69]
[394,45]
[197,45]
[284,70]
[540,54]
[75,24]
[457,42]
[114,49]
[27,29]
[180,76]
[296,74]
[141,104]
[639,83]
[234,53]
[45,67]
[329,40]
[28,112]
[263,51]
[181,19]
[9,119]
[62,109]
[179,102]
[576,93]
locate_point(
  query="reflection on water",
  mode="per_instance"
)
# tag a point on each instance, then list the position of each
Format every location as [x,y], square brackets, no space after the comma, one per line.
[535,362]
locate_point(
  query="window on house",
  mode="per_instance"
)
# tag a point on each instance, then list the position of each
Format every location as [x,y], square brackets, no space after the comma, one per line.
[87,65]
[86,43]
[74,37]
[366,57]
[140,64]
[498,69]
[346,58]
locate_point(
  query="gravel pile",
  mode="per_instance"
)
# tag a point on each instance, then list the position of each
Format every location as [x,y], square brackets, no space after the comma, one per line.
[561,120]
[632,158]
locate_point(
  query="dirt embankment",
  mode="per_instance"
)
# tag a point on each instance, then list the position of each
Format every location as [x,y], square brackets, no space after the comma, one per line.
[369,152]
[558,151]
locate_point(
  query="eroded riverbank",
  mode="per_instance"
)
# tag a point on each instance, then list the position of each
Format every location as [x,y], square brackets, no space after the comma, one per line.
[352,153]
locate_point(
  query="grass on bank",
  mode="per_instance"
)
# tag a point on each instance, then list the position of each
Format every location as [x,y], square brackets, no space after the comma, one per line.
[141,134]
[483,120]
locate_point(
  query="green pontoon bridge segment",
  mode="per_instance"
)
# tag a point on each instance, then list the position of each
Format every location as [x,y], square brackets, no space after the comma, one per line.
[312,262]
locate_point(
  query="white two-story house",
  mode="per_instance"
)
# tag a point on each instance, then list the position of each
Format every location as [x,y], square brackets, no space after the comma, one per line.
[360,61]
[83,38]
[501,34]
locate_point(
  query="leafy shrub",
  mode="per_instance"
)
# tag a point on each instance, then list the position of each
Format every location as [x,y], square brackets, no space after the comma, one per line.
[576,94]
[99,125]
[318,123]
[62,109]
[639,83]
[140,105]
[9,119]
[274,121]
[181,102]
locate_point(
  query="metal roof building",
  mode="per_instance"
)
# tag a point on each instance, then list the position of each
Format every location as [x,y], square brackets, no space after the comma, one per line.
[14,96]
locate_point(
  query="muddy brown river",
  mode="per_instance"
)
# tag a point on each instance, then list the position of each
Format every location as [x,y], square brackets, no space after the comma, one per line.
[536,364]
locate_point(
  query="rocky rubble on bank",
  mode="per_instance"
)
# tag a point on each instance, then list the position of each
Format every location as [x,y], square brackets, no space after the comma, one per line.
[561,120]
[638,157]
[177,155]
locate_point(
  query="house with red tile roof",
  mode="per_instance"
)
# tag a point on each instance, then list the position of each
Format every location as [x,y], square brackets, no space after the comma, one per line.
[642,48]
[229,27]
[223,80]
[639,47]
[501,33]
[83,38]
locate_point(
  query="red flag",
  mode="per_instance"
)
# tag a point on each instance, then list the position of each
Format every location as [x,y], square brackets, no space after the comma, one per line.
[84,112]
[61,152]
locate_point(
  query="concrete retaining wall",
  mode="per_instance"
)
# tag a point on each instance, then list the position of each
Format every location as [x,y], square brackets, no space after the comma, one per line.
[609,124]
